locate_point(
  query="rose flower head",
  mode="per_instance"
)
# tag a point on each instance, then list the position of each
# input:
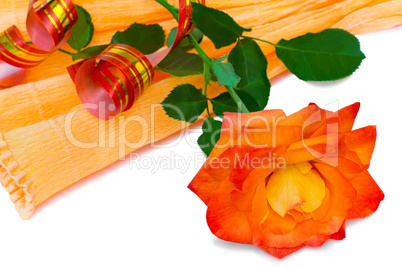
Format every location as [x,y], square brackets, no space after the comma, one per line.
[284,182]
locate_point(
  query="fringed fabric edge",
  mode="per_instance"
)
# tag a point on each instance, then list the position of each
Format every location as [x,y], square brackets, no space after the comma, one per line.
[14,181]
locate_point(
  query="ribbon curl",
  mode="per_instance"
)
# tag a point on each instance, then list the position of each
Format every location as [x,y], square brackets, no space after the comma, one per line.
[48,25]
[111,82]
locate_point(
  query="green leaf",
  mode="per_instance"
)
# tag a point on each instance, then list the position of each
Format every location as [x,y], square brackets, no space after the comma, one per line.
[146,38]
[248,100]
[185,103]
[251,64]
[216,25]
[83,30]
[185,43]
[89,52]
[211,132]
[225,73]
[181,63]
[326,56]
[225,103]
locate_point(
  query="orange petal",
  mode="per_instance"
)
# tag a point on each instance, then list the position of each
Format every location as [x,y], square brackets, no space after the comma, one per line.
[272,137]
[242,166]
[346,117]
[340,234]
[323,210]
[362,142]
[289,240]
[243,200]
[260,129]
[298,216]
[256,176]
[277,224]
[339,121]
[260,205]
[346,166]
[248,160]
[352,156]
[303,154]
[268,239]
[217,168]
[204,185]
[224,219]
[221,166]
[369,196]
[312,227]
[280,252]
[342,195]
[342,192]
[317,240]
[316,147]
[309,119]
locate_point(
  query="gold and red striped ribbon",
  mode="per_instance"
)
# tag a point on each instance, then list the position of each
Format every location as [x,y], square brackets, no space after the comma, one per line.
[111,82]
[48,25]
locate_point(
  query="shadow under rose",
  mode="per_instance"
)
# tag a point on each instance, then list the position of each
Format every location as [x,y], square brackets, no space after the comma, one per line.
[304,252]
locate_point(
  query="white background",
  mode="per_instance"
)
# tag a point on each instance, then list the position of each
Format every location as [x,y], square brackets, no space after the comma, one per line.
[130,217]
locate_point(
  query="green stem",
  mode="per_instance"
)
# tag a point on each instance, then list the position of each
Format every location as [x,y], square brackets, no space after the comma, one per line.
[201,52]
[237,99]
[207,73]
[66,52]
[261,40]
[205,57]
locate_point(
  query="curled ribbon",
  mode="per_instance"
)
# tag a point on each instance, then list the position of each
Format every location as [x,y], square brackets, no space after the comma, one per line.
[111,82]
[48,25]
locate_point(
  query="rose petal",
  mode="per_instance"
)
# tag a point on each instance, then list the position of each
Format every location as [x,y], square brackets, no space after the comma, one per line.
[288,188]
[298,216]
[342,192]
[260,129]
[340,234]
[317,241]
[342,195]
[309,119]
[369,196]
[346,117]
[268,239]
[323,146]
[321,212]
[211,174]
[243,200]
[289,240]
[362,142]
[256,176]
[224,219]
[203,185]
[347,167]
[259,207]
[277,224]
[246,158]
[339,121]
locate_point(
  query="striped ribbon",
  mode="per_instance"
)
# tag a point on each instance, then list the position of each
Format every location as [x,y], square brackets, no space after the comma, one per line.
[111,82]
[48,25]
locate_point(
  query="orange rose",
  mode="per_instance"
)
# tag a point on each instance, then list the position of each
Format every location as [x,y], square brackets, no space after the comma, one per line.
[283,182]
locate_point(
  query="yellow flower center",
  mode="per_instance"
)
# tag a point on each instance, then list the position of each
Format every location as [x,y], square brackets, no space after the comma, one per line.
[295,186]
